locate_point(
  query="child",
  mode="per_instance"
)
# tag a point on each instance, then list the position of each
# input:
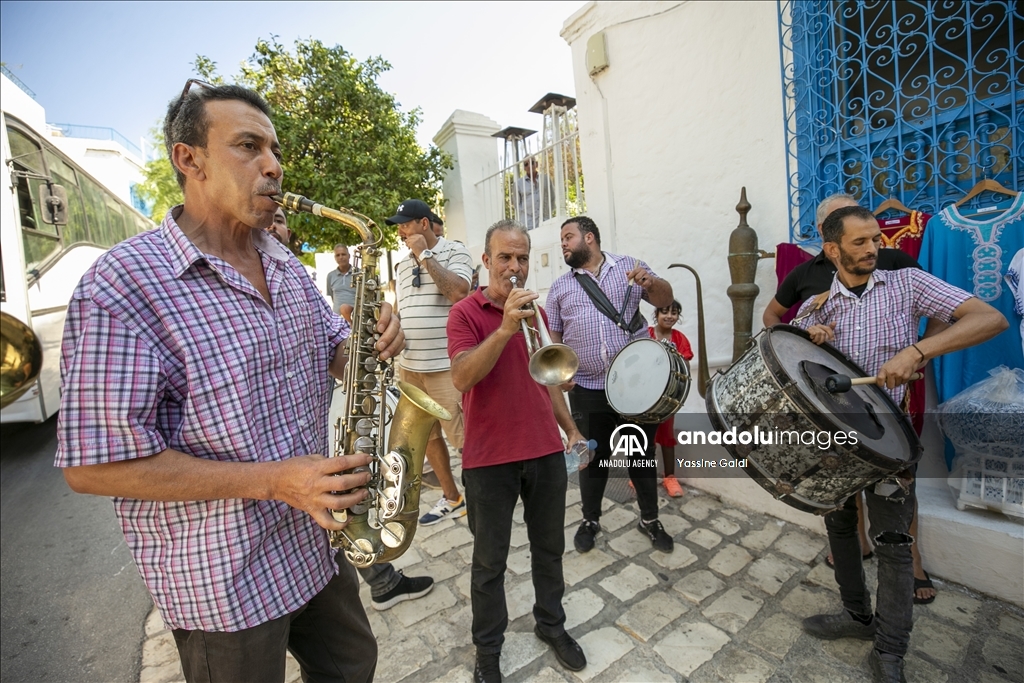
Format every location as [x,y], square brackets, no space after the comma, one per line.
[664,319]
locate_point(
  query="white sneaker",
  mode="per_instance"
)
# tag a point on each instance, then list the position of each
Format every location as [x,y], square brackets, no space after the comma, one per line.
[444,508]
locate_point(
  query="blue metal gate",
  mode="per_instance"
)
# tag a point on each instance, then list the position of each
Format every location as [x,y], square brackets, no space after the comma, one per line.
[912,100]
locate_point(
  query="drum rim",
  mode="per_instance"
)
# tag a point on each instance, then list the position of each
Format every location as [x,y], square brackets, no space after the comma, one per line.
[646,417]
[782,376]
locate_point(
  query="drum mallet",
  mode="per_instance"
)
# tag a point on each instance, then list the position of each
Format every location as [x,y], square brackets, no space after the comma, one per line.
[840,384]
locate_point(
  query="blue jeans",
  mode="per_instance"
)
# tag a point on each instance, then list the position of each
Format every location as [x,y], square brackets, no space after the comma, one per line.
[890,519]
[381,577]
[596,420]
[491,495]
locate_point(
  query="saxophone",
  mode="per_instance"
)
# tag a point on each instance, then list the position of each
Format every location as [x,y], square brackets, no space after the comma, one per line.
[382,526]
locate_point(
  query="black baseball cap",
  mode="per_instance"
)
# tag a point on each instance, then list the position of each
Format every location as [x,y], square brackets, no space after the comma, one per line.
[410,209]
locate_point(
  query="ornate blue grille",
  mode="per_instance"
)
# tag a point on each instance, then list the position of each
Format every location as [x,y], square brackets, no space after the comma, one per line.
[912,100]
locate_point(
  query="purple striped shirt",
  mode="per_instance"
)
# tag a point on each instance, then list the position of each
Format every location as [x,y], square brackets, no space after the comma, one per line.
[587,331]
[167,347]
[883,320]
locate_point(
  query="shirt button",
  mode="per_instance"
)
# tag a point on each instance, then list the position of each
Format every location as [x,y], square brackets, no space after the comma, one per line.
[301,422]
[289,375]
[857,328]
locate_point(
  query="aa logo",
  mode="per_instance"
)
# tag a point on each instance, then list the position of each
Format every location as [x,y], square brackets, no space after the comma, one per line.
[628,440]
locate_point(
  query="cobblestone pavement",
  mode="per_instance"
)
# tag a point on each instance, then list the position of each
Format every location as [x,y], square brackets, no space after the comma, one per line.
[725,605]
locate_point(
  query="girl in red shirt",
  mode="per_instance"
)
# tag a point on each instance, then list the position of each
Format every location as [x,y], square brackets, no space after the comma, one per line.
[664,320]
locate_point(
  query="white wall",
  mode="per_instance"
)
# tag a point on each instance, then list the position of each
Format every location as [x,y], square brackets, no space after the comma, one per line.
[688,112]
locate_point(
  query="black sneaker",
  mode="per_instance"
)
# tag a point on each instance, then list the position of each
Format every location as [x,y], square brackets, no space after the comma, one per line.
[408,588]
[886,668]
[656,532]
[584,540]
[488,669]
[567,651]
[842,625]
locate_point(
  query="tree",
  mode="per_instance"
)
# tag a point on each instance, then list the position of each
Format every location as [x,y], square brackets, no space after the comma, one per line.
[160,186]
[346,144]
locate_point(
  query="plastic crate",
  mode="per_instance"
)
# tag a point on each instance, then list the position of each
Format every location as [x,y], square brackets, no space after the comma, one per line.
[992,482]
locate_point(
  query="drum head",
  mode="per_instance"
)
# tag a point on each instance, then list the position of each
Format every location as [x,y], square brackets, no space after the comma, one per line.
[790,353]
[638,377]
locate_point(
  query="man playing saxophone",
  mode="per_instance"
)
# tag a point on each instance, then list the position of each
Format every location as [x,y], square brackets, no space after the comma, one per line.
[207,437]
[512,450]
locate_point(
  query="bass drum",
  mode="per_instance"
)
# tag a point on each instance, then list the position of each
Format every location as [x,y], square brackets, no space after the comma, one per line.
[807,447]
[648,381]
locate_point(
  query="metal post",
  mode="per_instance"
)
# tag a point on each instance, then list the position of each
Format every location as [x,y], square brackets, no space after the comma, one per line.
[743,257]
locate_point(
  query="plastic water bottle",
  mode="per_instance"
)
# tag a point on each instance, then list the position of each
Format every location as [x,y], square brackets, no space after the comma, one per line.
[580,453]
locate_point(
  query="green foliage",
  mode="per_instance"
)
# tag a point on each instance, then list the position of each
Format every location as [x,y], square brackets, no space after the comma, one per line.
[345,142]
[206,69]
[160,186]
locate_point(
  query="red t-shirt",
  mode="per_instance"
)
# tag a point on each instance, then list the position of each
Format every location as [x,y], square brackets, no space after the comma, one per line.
[679,339]
[508,416]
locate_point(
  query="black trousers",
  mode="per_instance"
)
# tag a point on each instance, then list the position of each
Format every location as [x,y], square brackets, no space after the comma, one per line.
[596,420]
[890,518]
[329,636]
[491,495]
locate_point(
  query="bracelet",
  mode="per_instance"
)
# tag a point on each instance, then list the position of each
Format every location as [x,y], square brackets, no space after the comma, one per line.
[914,346]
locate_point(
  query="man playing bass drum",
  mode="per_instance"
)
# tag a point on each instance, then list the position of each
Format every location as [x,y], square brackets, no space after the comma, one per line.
[872,317]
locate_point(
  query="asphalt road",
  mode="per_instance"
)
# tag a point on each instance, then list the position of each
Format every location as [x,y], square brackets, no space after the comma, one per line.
[72,603]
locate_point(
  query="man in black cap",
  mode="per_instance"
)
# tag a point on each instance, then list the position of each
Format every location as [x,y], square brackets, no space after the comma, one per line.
[434,277]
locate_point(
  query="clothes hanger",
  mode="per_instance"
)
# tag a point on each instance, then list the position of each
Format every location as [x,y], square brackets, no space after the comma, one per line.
[982,186]
[891,203]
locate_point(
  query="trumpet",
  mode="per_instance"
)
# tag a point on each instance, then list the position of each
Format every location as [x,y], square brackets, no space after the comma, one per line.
[551,364]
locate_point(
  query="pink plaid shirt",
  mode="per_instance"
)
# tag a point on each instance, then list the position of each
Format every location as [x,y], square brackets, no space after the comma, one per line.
[884,319]
[167,347]
[585,330]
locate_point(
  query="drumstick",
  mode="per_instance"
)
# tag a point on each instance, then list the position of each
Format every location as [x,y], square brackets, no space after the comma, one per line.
[838,384]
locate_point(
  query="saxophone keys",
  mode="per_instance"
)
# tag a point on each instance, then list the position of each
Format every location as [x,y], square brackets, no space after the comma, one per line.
[369,405]
[395,466]
[340,516]
[364,427]
[392,534]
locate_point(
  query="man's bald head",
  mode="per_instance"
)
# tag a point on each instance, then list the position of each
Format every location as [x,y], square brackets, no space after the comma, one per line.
[830,204]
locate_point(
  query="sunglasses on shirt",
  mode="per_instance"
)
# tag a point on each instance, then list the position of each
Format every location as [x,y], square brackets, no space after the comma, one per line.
[416,276]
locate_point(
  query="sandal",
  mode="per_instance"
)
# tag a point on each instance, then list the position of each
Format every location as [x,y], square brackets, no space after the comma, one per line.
[832,563]
[926,582]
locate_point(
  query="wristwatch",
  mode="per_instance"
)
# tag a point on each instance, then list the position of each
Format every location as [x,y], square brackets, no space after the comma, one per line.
[425,254]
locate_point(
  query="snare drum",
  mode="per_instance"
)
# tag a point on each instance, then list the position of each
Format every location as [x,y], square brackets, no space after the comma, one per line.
[775,393]
[648,381]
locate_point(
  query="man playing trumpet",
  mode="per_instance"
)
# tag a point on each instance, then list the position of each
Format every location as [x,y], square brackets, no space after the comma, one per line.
[512,450]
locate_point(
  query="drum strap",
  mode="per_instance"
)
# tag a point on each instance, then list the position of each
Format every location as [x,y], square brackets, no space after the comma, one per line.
[605,306]
[819,301]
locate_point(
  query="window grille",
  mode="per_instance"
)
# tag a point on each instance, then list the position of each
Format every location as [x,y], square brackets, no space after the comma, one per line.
[917,101]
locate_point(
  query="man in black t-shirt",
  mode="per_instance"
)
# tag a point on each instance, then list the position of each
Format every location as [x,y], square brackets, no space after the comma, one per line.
[815,276]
